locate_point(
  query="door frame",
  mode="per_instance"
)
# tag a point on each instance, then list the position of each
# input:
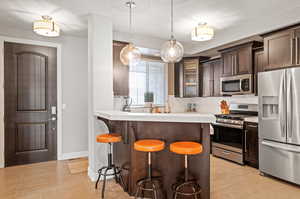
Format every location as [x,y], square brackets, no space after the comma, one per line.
[59,92]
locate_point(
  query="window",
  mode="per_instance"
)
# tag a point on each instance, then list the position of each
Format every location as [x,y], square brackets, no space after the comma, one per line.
[147,76]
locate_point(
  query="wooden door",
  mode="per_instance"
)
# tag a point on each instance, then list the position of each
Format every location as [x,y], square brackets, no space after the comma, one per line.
[279,50]
[258,66]
[229,62]
[217,75]
[121,72]
[251,144]
[207,79]
[244,61]
[30,103]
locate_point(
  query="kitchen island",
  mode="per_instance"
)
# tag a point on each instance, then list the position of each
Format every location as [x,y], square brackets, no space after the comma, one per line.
[169,128]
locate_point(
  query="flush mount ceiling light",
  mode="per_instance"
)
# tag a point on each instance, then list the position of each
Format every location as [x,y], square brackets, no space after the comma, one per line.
[202,32]
[46,27]
[172,50]
[130,54]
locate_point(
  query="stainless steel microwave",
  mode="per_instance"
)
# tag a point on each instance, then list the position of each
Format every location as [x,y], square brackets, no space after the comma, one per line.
[237,85]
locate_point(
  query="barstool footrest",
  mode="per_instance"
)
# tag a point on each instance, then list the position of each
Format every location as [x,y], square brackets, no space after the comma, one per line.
[192,184]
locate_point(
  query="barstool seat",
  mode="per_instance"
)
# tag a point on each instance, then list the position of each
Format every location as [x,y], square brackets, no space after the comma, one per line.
[109,138]
[149,145]
[148,184]
[186,148]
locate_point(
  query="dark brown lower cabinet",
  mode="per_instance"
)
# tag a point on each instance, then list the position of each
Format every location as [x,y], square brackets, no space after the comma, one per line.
[251,144]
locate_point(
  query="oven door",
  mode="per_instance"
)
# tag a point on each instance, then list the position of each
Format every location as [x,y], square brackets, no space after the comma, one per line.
[228,143]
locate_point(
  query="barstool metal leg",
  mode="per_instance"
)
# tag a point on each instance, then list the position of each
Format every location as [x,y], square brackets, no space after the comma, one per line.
[104,182]
[99,176]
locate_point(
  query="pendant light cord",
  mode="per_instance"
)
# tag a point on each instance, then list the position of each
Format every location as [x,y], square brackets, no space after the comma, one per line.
[130,20]
[172,16]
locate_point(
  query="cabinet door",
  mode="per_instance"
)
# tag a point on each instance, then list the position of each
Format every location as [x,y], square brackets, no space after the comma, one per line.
[229,62]
[217,74]
[207,79]
[258,66]
[178,79]
[251,144]
[297,46]
[244,61]
[279,50]
[121,72]
[191,77]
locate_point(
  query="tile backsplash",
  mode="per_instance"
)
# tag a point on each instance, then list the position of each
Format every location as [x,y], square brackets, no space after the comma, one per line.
[208,104]
[203,104]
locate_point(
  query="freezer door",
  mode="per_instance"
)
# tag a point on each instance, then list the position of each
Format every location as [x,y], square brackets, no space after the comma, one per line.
[280,160]
[272,105]
[293,105]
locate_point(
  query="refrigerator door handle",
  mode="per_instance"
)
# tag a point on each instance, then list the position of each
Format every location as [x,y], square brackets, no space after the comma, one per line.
[280,146]
[290,104]
[282,105]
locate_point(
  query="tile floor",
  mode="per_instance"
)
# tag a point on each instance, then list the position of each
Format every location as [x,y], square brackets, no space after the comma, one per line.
[54,180]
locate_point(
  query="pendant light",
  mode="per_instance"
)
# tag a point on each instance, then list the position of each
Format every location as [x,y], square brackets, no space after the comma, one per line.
[46,27]
[202,32]
[172,50]
[130,54]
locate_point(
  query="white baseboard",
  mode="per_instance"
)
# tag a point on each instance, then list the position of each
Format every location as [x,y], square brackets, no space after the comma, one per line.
[80,154]
[93,175]
[2,165]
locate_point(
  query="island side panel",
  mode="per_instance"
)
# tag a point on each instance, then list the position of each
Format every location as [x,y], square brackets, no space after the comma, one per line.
[166,163]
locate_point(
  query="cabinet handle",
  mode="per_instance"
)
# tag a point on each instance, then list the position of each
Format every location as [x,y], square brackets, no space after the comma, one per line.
[232,62]
[292,50]
[235,64]
[251,126]
[246,131]
[297,56]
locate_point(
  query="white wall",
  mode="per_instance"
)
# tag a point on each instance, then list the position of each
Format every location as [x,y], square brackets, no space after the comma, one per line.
[100,86]
[1,106]
[74,91]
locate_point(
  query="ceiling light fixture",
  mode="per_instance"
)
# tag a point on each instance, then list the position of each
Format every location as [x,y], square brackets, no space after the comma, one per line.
[202,32]
[46,27]
[172,50]
[130,54]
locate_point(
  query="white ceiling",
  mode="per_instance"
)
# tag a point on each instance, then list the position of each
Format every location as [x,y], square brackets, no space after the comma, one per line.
[232,19]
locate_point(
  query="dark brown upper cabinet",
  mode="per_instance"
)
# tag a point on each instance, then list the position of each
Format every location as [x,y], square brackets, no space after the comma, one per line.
[279,50]
[238,60]
[211,73]
[121,72]
[258,66]
[186,77]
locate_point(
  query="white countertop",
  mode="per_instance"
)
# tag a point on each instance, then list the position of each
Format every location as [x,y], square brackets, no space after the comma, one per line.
[251,119]
[157,117]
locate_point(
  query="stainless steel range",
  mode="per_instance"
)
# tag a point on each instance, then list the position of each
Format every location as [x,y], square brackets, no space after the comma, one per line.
[228,140]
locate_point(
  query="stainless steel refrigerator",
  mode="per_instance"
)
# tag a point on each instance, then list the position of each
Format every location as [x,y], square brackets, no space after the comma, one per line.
[279,123]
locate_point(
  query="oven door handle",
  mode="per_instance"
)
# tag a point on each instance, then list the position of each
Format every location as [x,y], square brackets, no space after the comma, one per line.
[228,125]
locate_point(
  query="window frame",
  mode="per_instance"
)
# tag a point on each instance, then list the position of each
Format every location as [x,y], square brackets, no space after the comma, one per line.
[154,59]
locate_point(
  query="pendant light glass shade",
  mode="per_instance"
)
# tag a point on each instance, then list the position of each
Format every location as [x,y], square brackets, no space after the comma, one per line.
[130,55]
[46,27]
[202,33]
[172,51]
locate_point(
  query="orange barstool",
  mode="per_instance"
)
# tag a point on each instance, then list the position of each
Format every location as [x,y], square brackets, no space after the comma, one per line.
[148,146]
[109,138]
[186,148]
